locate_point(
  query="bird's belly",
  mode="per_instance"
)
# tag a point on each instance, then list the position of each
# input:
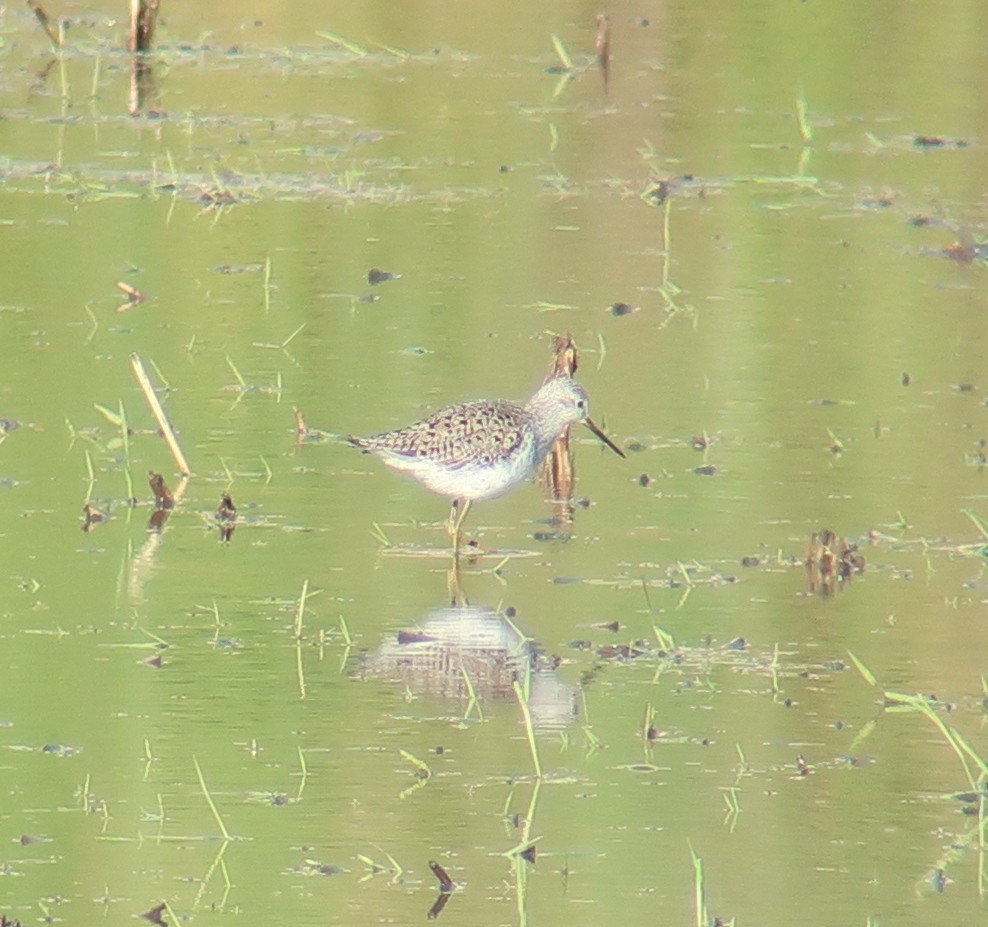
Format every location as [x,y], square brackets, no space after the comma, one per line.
[473,481]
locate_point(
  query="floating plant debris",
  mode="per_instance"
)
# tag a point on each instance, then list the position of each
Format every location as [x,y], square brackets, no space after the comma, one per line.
[831,560]
[226,517]
[657,192]
[938,141]
[134,296]
[92,517]
[602,46]
[375,276]
[446,884]
[156,915]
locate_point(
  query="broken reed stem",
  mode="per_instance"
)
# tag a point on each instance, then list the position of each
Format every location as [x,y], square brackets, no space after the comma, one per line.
[143,19]
[297,634]
[529,729]
[559,466]
[305,773]
[210,802]
[699,891]
[300,611]
[42,17]
[299,668]
[159,414]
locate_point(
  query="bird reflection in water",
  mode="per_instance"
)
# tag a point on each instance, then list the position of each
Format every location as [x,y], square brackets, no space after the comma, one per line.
[472,651]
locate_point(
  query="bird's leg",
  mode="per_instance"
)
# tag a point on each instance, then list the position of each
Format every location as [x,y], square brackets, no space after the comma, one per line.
[457,597]
[456,515]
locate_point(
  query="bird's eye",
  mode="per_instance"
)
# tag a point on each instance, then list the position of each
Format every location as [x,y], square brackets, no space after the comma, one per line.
[581,404]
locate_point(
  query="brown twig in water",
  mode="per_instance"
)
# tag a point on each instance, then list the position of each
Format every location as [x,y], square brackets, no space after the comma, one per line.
[159,415]
[143,19]
[163,498]
[559,470]
[93,517]
[565,358]
[42,17]
[446,884]
[226,517]
[134,296]
[602,47]
[830,561]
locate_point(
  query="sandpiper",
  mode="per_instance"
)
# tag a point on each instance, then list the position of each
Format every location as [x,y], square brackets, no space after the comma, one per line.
[480,450]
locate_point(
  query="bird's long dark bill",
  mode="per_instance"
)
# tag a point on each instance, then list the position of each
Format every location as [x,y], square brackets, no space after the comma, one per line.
[603,437]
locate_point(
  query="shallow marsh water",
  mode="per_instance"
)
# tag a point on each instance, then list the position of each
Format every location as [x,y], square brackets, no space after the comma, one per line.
[797,309]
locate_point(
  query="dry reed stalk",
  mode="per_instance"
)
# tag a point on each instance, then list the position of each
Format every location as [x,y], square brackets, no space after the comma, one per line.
[159,414]
[42,17]
[559,470]
[143,19]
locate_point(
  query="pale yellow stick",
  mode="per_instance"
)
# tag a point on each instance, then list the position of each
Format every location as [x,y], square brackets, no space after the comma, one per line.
[159,414]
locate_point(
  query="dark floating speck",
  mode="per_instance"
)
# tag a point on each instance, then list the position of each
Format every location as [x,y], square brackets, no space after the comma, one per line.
[657,192]
[226,517]
[375,276]
[546,536]
[156,915]
[750,561]
[739,643]
[369,298]
[708,470]
[936,141]
[620,309]
[906,379]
